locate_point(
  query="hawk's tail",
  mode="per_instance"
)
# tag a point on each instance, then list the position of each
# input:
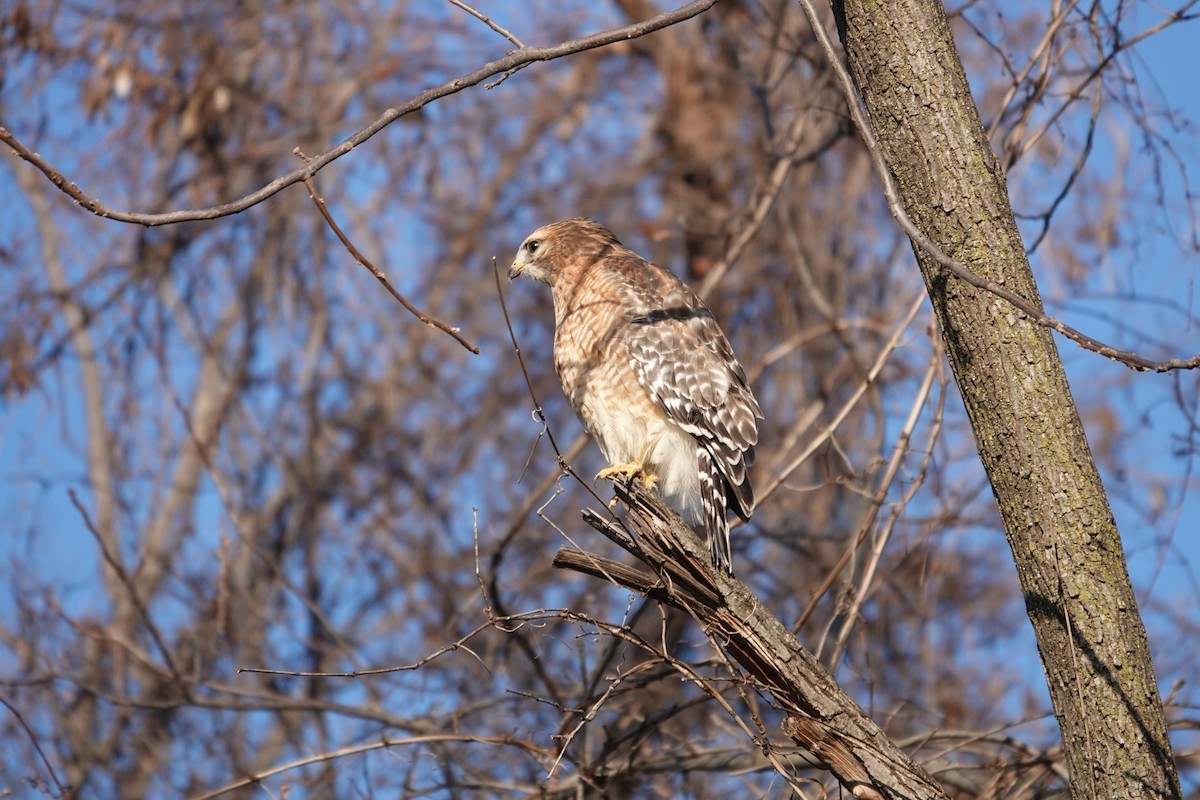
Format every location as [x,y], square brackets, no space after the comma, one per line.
[712,511]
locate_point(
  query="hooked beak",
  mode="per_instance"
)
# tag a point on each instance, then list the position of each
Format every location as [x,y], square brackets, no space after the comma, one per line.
[517,269]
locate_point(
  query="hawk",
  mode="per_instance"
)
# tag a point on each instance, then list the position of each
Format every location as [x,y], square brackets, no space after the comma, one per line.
[650,374]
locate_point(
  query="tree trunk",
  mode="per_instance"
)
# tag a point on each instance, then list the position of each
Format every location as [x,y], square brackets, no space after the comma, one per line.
[1054,508]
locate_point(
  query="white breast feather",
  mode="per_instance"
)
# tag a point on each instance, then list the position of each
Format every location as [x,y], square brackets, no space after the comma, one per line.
[625,436]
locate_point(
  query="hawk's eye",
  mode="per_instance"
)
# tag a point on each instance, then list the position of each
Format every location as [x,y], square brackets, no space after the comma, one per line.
[532,246]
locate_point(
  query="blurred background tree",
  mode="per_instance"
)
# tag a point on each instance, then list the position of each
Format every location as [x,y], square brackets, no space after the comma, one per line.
[225,447]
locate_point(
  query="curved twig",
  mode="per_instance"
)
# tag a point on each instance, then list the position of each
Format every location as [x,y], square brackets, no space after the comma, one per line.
[62,790]
[514,60]
[384,743]
[379,274]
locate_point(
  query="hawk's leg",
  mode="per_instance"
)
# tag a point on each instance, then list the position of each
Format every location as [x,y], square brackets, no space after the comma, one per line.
[634,469]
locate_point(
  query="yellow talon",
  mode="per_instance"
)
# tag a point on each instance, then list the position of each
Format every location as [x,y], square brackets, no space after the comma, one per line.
[629,470]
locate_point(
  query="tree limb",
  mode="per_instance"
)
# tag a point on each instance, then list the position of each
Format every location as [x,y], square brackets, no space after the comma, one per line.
[821,717]
[514,60]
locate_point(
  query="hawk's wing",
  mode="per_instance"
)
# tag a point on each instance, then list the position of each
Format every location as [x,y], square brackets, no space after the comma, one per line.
[683,360]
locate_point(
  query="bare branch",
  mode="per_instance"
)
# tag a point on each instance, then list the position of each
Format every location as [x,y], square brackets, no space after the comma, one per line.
[383,743]
[1031,311]
[822,718]
[62,790]
[379,274]
[899,451]
[1038,55]
[538,413]
[486,20]
[826,431]
[514,60]
[459,644]
[115,565]
[768,192]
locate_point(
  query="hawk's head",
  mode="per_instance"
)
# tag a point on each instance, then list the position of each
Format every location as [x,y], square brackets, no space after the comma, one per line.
[552,248]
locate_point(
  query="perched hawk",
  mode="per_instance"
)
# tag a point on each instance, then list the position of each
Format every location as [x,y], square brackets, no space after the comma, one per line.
[649,372]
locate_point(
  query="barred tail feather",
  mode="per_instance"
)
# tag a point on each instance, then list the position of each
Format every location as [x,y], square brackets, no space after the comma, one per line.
[712,511]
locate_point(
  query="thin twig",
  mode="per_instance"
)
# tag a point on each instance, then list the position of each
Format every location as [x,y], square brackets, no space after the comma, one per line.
[1179,15]
[872,374]
[379,274]
[769,190]
[538,413]
[1036,56]
[62,790]
[459,644]
[883,533]
[384,743]
[123,576]
[1036,315]
[240,527]
[486,20]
